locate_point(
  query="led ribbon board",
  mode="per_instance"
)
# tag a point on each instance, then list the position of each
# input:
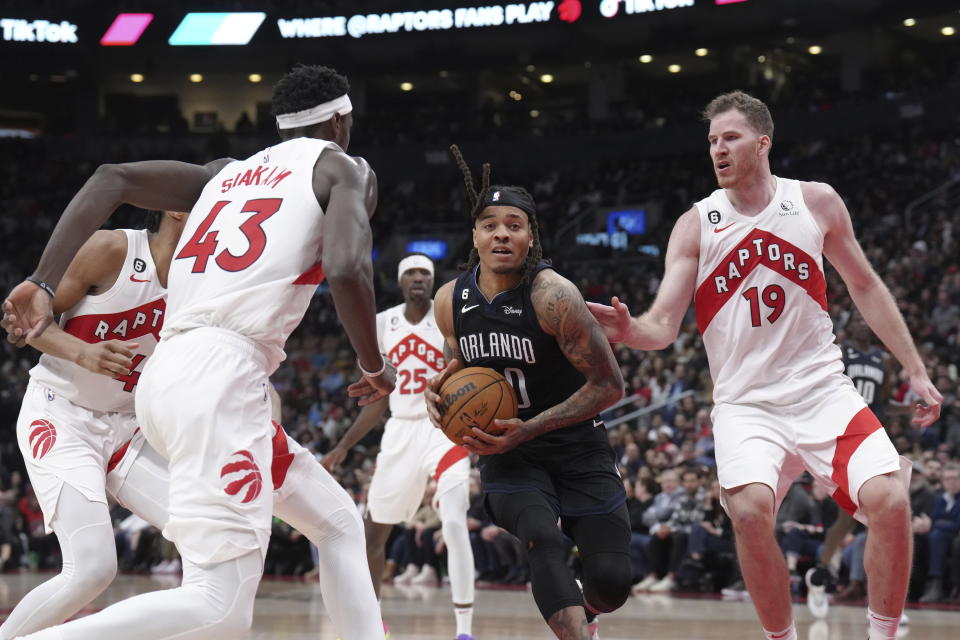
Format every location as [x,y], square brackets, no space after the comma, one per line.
[126,29]
[217,28]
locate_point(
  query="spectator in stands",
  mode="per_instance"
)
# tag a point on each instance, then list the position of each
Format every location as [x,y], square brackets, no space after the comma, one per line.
[944,526]
[639,499]
[711,540]
[668,540]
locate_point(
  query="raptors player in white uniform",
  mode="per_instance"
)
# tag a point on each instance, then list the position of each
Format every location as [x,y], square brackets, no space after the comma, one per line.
[240,282]
[750,255]
[412,451]
[78,443]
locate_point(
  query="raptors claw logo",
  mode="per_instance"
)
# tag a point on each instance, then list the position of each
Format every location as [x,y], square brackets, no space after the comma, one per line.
[244,473]
[43,435]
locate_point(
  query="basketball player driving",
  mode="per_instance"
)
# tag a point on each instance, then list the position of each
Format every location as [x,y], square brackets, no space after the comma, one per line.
[750,255]
[511,312]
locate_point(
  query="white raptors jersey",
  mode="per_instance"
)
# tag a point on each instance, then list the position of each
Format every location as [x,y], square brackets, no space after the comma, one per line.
[417,352]
[249,256]
[131,310]
[761,299]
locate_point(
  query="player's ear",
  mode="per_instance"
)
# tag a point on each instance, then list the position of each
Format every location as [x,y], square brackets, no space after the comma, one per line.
[763,145]
[474,233]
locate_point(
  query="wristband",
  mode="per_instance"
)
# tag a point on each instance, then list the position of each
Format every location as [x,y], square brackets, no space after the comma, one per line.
[43,285]
[372,374]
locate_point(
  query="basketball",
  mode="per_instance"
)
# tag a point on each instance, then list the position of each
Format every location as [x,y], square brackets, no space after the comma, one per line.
[475,397]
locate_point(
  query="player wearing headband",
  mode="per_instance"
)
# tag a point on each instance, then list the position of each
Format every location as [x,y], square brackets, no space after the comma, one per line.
[412,451]
[242,276]
[512,312]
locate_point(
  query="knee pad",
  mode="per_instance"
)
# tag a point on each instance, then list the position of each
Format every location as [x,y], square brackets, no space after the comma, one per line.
[607,578]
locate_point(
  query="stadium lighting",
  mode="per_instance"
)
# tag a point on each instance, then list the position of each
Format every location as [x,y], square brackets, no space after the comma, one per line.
[534,113]
[406,86]
[196,77]
[646,58]
[909,22]
[516,95]
[444,73]
[815,49]
[701,52]
[254,77]
[136,77]
[546,78]
[948,31]
[531,68]
[761,59]
[674,68]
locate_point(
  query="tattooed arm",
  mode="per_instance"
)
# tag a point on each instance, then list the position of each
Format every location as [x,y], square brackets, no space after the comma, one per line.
[562,313]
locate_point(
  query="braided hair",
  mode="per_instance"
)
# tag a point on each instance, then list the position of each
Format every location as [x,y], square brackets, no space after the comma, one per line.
[478,204]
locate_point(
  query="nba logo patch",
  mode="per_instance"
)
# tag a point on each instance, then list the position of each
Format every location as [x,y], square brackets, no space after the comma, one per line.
[496,196]
[51,396]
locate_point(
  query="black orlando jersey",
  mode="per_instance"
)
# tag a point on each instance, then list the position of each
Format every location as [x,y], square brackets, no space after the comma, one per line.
[867,370]
[505,335]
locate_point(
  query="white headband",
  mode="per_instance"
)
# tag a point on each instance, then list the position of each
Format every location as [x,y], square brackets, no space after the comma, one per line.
[315,115]
[414,262]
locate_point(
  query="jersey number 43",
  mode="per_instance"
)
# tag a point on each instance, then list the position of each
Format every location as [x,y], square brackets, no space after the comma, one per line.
[203,243]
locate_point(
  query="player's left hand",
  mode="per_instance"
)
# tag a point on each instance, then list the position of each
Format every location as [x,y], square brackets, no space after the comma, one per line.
[924,416]
[26,313]
[369,389]
[512,432]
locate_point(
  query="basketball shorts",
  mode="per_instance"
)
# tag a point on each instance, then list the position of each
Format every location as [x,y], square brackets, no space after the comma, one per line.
[412,452]
[577,478]
[62,442]
[831,433]
[204,405]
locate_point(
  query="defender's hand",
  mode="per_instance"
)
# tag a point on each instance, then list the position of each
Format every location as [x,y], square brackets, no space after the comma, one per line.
[513,432]
[615,320]
[26,313]
[334,458]
[371,388]
[924,416]
[431,394]
[109,358]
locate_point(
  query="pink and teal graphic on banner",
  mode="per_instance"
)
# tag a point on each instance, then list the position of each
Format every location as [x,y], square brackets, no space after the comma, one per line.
[126,29]
[217,28]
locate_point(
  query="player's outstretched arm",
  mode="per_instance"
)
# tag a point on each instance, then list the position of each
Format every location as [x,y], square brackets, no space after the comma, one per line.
[658,327]
[563,314]
[870,294]
[154,184]
[369,417]
[443,312]
[343,183]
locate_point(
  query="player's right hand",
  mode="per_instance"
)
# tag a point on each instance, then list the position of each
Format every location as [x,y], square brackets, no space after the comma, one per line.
[333,458]
[615,320]
[108,358]
[432,393]
[26,313]
[924,416]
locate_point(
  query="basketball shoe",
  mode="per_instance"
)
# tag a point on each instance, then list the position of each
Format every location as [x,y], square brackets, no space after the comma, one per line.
[817,601]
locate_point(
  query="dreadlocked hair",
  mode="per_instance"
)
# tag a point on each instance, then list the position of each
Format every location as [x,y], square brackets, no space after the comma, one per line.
[477,198]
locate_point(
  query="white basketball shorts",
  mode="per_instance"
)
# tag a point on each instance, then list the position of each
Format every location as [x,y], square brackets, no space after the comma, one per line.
[831,433]
[203,404]
[411,452]
[62,442]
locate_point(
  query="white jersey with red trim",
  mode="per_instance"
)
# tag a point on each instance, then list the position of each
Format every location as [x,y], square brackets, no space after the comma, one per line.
[417,352]
[249,257]
[761,299]
[131,310]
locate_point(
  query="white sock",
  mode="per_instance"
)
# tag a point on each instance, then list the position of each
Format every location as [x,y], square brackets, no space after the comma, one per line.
[464,616]
[790,633]
[882,627]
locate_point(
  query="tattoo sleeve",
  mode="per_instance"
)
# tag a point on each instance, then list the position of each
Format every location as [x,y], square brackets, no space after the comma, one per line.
[562,313]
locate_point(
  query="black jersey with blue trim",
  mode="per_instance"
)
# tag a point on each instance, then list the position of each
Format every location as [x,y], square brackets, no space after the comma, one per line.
[504,334]
[867,370]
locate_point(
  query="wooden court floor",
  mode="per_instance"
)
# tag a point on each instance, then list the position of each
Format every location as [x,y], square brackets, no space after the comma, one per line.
[293,610]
